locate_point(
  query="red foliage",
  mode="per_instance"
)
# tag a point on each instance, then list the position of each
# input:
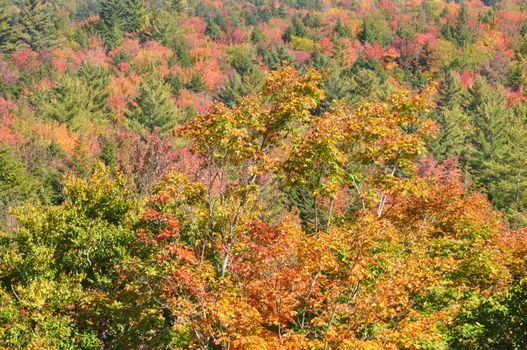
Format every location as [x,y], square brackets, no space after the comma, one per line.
[373,50]
[26,59]
[7,118]
[200,101]
[145,161]
[467,79]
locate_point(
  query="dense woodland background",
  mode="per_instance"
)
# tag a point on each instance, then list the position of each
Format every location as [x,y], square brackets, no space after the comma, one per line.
[259,174]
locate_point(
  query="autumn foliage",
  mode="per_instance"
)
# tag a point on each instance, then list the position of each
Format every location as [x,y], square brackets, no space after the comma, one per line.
[252,175]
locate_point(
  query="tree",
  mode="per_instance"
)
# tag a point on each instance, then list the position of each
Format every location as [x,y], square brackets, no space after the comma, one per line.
[36,27]
[459,33]
[96,79]
[238,86]
[239,140]
[449,91]
[375,29]
[454,129]
[121,16]
[65,267]
[489,159]
[67,102]
[274,57]
[8,33]
[242,59]
[295,29]
[16,185]
[342,30]
[153,107]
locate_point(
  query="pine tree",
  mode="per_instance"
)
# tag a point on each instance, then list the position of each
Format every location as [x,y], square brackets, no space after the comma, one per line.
[449,94]
[121,16]
[296,28]
[459,33]
[342,30]
[242,59]
[135,16]
[274,57]
[15,183]
[110,25]
[336,87]
[453,131]
[518,166]
[453,122]
[67,102]
[489,159]
[375,28]
[8,36]
[96,79]
[238,86]
[366,84]
[36,24]
[154,106]
[232,91]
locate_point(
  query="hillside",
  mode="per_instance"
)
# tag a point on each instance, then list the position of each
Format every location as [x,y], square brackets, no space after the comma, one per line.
[263,174]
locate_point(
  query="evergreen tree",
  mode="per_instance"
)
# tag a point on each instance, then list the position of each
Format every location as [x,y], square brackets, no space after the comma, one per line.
[366,84]
[517,185]
[453,122]
[36,24]
[342,30]
[196,83]
[154,106]
[375,28]
[296,28]
[449,94]
[336,87]
[15,183]
[453,131]
[242,59]
[96,78]
[76,99]
[257,35]
[110,25]
[67,102]
[492,159]
[8,36]
[275,56]
[238,86]
[121,16]
[459,33]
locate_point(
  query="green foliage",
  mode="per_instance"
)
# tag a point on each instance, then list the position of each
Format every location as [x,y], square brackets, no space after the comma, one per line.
[496,157]
[296,28]
[274,57]
[121,16]
[153,107]
[303,44]
[242,59]
[238,86]
[257,36]
[454,129]
[37,29]
[375,29]
[497,322]
[72,101]
[96,79]
[16,185]
[8,34]
[315,204]
[62,270]
[342,30]
[459,33]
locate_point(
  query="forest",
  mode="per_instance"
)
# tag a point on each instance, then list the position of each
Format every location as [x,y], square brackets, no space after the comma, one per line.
[263,174]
